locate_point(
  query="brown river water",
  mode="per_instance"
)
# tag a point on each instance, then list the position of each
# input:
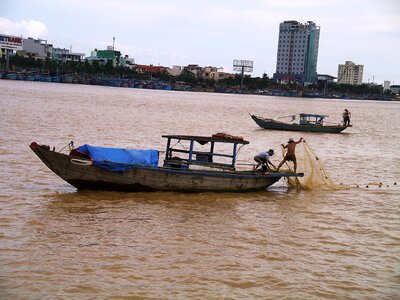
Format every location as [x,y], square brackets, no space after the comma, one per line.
[282,243]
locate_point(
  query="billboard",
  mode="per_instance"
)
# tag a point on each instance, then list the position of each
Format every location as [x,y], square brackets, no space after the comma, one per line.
[10,42]
[246,65]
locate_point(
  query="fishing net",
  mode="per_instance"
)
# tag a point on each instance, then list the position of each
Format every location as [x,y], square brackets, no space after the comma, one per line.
[315,173]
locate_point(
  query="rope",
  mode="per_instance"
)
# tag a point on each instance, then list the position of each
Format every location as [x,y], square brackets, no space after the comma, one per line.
[363,130]
[323,169]
[81,162]
[179,142]
[240,148]
[290,116]
[326,122]
[70,145]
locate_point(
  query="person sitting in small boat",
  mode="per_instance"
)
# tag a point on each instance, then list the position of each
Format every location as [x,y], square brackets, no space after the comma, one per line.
[346,117]
[263,159]
[290,155]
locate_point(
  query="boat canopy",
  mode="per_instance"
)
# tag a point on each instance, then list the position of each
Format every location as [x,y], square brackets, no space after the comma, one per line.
[313,116]
[219,138]
[193,157]
[312,119]
[118,159]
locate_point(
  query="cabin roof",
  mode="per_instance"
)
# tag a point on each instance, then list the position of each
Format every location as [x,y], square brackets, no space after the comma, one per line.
[313,115]
[205,139]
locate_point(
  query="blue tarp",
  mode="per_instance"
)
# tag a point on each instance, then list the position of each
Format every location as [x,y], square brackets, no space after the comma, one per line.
[118,159]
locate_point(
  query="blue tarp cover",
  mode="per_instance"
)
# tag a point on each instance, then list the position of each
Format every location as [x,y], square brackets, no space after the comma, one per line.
[118,159]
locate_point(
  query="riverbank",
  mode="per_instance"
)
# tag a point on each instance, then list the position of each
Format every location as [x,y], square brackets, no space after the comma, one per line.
[157,84]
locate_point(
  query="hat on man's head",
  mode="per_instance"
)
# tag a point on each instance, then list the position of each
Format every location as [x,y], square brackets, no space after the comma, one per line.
[290,140]
[271,151]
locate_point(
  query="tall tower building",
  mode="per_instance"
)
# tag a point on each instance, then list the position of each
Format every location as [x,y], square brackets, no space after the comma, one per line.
[350,73]
[297,52]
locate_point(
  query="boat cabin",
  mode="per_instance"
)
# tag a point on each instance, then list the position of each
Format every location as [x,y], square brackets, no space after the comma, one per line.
[200,152]
[312,119]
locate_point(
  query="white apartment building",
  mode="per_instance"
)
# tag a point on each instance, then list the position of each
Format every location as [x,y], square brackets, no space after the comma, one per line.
[350,73]
[297,52]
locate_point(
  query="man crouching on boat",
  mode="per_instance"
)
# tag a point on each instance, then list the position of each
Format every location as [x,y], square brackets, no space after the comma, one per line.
[262,159]
[290,155]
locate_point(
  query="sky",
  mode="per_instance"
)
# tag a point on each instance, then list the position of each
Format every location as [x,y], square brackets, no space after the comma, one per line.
[215,32]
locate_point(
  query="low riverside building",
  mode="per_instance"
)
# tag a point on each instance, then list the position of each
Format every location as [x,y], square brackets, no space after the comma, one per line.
[176,70]
[216,74]
[36,48]
[65,55]
[195,69]
[395,89]
[148,69]
[41,49]
[112,55]
[324,78]
[211,73]
[128,62]
[106,55]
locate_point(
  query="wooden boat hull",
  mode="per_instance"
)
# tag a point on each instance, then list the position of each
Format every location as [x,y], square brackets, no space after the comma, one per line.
[276,125]
[146,178]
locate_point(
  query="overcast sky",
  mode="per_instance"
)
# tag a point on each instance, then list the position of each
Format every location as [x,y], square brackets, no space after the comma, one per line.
[215,32]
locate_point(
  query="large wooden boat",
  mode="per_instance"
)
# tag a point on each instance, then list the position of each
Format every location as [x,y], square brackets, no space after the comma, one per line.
[185,168]
[306,122]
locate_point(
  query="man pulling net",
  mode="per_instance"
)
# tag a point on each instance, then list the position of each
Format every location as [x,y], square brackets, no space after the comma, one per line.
[315,173]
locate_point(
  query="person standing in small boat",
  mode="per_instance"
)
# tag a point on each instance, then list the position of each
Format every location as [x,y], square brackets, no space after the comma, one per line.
[346,117]
[290,155]
[263,159]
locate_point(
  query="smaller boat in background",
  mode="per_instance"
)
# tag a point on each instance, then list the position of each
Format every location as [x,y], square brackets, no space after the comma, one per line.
[304,122]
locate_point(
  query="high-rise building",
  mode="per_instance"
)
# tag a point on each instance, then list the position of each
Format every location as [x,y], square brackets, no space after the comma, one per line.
[350,73]
[297,52]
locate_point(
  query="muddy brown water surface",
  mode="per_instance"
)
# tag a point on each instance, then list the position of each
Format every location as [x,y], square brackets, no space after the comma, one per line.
[60,243]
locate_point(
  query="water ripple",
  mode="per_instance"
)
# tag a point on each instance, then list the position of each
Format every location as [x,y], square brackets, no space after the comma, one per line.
[59,243]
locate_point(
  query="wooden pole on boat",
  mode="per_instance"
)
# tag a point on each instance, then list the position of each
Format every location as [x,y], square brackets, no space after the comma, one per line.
[234,155]
[191,151]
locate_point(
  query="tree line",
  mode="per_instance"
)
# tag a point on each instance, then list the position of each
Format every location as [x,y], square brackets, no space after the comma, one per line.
[251,84]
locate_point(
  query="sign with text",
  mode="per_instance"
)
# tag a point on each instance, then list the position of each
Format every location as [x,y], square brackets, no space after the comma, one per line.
[245,65]
[10,42]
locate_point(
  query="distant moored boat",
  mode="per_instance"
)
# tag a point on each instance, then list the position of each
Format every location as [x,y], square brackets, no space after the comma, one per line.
[306,122]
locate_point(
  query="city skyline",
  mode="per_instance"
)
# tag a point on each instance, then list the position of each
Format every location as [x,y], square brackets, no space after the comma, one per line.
[216,33]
